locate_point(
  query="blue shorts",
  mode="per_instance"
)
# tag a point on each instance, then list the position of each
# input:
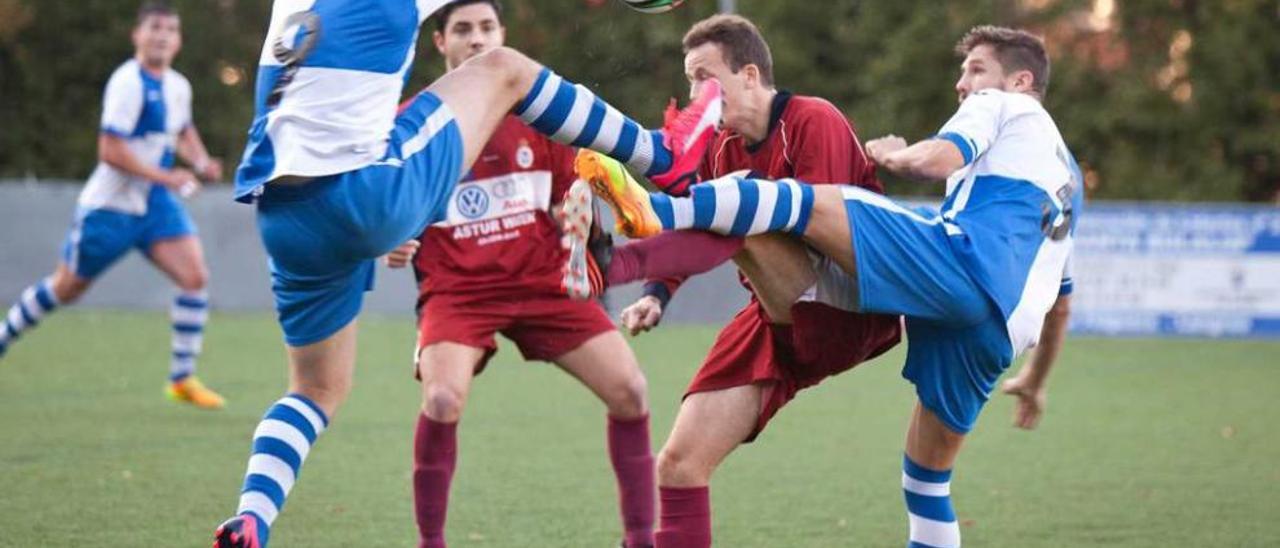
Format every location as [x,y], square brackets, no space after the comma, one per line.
[324,236]
[957,342]
[100,237]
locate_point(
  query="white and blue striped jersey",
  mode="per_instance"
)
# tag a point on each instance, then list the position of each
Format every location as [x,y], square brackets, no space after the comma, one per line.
[1016,202]
[148,112]
[329,80]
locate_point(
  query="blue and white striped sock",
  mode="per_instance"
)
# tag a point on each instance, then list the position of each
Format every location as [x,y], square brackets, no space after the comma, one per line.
[189,313]
[36,301]
[735,206]
[928,494]
[280,445]
[571,114]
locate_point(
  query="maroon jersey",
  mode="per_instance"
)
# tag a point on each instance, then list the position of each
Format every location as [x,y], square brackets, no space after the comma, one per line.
[809,140]
[498,237]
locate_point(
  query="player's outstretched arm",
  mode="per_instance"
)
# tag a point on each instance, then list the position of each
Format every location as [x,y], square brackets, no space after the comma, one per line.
[192,151]
[114,151]
[927,160]
[1029,385]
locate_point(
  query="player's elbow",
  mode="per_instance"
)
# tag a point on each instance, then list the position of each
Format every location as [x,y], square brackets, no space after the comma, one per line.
[1060,312]
[109,149]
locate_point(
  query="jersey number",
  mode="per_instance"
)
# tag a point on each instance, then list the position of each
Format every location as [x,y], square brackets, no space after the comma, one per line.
[1066,195]
[291,48]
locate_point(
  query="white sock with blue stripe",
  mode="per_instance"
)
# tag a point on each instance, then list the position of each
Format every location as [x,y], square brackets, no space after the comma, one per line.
[36,301]
[928,494]
[571,114]
[280,446]
[189,313]
[735,206]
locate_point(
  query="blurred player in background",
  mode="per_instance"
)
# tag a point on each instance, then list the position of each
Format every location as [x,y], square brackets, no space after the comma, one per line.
[131,200]
[780,342]
[980,282]
[340,179]
[493,266]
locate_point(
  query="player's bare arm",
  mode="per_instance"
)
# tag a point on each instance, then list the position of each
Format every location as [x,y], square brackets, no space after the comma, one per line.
[928,160]
[400,257]
[192,151]
[115,152]
[1029,386]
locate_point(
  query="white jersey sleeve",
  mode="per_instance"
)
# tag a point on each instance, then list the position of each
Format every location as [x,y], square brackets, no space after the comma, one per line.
[122,102]
[974,127]
[1068,286]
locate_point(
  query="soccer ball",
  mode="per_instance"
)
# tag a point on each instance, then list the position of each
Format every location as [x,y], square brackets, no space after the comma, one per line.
[653,6]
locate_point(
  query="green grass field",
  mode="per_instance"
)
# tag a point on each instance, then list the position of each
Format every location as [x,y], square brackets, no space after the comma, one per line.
[1147,443]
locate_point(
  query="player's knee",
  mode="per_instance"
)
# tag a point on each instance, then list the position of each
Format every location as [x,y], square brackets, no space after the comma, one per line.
[442,403]
[68,288]
[195,280]
[513,68]
[677,469]
[629,399]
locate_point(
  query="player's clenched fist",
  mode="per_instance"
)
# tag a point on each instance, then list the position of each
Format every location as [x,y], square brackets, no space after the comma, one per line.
[400,256]
[878,149]
[642,315]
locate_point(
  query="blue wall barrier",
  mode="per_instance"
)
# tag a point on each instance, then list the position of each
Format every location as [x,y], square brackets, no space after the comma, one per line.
[1172,270]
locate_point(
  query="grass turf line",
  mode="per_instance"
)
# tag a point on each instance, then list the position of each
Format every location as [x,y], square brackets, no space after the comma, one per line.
[1147,443]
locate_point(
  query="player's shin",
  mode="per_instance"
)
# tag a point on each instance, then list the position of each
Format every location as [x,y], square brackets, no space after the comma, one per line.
[435,455]
[188,315]
[928,497]
[736,206]
[36,301]
[632,458]
[686,517]
[281,444]
[571,114]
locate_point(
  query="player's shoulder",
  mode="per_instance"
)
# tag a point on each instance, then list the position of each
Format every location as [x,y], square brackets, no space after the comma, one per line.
[806,113]
[808,108]
[178,79]
[128,73]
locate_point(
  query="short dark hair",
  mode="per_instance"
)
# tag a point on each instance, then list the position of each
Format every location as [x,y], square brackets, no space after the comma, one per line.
[1016,49]
[442,16]
[155,7]
[739,40]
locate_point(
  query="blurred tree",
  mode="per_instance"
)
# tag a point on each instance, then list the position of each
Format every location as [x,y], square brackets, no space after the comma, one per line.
[1160,99]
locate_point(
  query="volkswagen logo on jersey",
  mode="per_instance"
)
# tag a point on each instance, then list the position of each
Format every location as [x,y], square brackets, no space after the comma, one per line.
[473,202]
[524,155]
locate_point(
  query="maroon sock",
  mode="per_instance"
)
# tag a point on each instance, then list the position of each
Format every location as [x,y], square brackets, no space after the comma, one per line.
[686,517]
[632,460]
[681,253]
[435,452]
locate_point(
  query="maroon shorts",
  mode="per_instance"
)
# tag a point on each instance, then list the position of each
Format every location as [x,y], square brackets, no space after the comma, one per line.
[822,341]
[543,327]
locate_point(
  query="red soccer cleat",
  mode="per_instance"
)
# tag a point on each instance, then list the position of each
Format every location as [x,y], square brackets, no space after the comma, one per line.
[687,134]
[238,532]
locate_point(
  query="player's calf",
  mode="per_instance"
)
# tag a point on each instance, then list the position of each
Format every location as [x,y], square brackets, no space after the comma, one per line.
[36,302]
[281,443]
[928,497]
